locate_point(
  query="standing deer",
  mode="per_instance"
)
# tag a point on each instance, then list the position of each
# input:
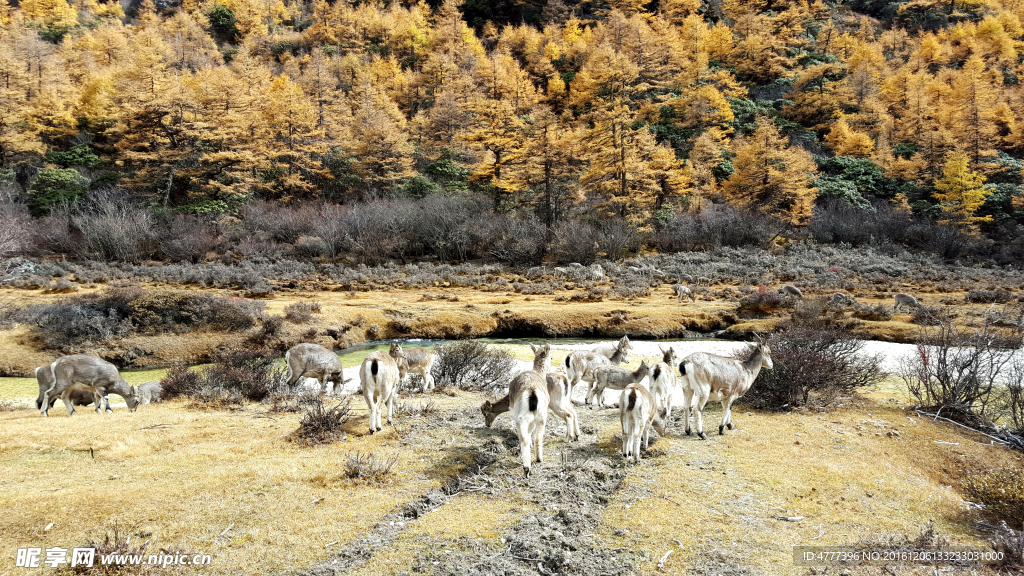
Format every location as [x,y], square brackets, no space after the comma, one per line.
[790,290]
[903,300]
[378,375]
[45,379]
[90,374]
[638,412]
[682,292]
[528,394]
[663,380]
[314,361]
[615,378]
[559,403]
[416,360]
[705,375]
[579,365]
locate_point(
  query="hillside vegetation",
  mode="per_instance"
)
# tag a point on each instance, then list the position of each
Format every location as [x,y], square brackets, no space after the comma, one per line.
[507,130]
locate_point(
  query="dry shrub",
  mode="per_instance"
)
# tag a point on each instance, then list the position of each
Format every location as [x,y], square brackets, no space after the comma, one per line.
[322,423]
[369,467]
[813,366]
[301,312]
[237,375]
[121,312]
[960,368]
[427,408]
[270,328]
[471,365]
[875,313]
[1010,543]
[988,296]
[765,299]
[1001,491]
[116,543]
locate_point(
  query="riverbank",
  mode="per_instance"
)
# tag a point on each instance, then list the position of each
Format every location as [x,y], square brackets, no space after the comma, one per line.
[348,317]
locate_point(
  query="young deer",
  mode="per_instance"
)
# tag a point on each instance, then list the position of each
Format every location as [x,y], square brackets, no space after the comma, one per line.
[378,375]
[663,380]
[416,360]
[528,394]
[638,413]
[615,378]
[580,365]
[559,403]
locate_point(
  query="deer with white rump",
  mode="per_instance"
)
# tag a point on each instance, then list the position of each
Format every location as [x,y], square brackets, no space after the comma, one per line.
[45,379]
[416,360]
[90,374]
[704,376]
[615,378]
[903,300]
[378,375]
[663,380]
[579,365]
[314,361]
[558,402]
[638,412]
[528,394]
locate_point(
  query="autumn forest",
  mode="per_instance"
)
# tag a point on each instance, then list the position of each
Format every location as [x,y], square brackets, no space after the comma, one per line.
[623,117]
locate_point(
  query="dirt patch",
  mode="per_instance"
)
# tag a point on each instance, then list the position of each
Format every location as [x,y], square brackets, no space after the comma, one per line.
[568,493]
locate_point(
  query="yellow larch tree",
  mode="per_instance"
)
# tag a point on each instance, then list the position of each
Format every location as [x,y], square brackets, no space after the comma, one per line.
[961,191]
[771,177]
[847,142]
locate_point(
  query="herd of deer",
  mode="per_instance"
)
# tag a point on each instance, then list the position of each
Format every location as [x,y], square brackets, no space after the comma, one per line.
[81,380]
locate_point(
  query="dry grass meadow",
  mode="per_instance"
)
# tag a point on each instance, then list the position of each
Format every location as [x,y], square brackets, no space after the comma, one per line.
[232,484]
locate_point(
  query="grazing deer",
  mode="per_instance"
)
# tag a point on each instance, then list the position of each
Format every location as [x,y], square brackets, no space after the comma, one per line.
[682,292]
[90,374]
[149,392]
[705,375]
[314,361]
[378,375]
[579,365]
[790,290]
[842,299]
[615,378]
[703,281]
[903,300]
[559,403]
[416,360]
[528,394]
[638,412]
[663,380]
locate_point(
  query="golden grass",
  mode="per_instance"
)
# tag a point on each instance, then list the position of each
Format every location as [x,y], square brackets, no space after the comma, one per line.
[846,477]
[186,475]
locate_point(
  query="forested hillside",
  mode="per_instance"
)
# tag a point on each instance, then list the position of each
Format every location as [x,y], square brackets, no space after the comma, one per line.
[857,122]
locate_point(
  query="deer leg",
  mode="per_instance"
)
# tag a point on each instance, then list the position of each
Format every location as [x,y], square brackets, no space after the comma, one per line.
[700,417]
[687,407]
[539,438]
[66,397]
[728,412]
[391,408]
[523,431]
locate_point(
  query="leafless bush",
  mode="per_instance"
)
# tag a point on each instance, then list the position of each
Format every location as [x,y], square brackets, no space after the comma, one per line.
[301,312]
[988,296]
[471,365]
[116,542]
[618,238]
[369,466]
[877,312]
[188,238]
[322,423]
[14,232]
[928,316]
[427,408]
[252,374]
[1010,543]
[765,299]
[520,241]
[312,246]
[812,366]
[575,241]
[282,223]
[717,225]
[113,229]
[270,328]
[960,367]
